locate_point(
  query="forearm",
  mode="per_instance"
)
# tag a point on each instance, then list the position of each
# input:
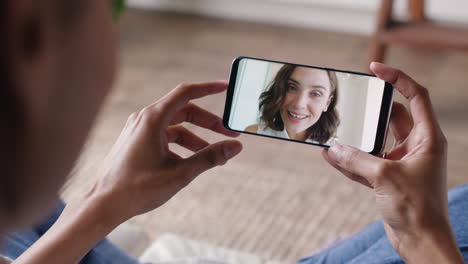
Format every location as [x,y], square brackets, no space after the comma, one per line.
[81,226]
[432,247]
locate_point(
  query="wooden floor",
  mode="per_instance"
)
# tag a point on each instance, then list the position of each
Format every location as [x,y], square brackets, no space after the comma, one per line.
[277,199]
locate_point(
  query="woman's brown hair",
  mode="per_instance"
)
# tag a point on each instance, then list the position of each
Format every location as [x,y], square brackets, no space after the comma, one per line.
[272,99]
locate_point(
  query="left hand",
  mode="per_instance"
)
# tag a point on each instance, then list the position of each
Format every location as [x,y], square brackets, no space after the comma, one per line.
[410,184]
[141,173]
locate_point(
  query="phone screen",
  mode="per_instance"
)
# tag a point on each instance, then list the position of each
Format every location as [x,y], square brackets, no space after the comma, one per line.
[307,104]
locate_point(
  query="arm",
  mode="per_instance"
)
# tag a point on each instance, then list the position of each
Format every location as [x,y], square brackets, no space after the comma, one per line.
[83,223]
[410,184]
[437,245]
[140,173]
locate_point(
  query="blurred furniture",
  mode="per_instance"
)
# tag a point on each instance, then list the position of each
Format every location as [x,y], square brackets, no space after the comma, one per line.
[418,31]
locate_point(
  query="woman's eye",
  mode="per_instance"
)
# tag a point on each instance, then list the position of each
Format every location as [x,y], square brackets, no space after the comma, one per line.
[292,88]
[316,94]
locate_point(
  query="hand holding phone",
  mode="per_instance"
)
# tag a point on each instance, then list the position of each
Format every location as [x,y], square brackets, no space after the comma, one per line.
[308,104]
[410,184]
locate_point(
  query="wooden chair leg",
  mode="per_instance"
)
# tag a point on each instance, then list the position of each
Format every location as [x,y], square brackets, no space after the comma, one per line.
[416,11]
[384,15]
[377,50]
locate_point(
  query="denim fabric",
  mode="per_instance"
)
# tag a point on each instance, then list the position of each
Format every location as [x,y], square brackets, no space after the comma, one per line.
[371,245]
[103,253]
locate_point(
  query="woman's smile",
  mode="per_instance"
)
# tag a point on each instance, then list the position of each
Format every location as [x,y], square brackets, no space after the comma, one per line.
[296,117]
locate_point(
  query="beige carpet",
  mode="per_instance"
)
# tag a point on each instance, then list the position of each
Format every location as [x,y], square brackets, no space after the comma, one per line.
[278,200]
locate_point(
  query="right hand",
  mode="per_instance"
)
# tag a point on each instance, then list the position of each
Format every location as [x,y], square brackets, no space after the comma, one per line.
[410,183]
[141,173]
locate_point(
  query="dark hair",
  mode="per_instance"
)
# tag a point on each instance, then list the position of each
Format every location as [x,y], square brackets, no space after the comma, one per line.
[272,99]
[10,114]
[12,118]
[10,111]
[67,12]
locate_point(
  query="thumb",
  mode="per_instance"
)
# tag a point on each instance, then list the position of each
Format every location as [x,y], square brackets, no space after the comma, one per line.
[211,156]
[355,161]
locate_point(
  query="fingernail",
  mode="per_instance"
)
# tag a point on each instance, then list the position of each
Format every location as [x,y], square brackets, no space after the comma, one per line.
[373,65]
[230,132]
[231,149]
[334,152]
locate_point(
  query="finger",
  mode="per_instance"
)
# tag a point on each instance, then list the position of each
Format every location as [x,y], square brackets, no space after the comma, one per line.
[357,162]
[401,123]
[182,94]
[198,116]
[418,96]
[183,137]
[398,152]
[174,155]
[351,176]
[211,156]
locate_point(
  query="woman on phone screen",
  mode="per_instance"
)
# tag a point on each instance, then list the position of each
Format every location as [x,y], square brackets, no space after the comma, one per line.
[300,105]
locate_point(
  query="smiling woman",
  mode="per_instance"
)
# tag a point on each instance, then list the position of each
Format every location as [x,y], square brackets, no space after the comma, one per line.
[300,105]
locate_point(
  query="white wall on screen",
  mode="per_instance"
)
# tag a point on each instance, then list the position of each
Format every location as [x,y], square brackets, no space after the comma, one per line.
[253,78]
[374,104]
[351,106]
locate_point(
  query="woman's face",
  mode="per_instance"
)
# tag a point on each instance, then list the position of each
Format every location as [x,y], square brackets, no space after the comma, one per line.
[307,97]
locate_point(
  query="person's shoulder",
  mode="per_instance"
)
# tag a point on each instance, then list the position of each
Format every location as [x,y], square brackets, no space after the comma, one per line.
[252,128]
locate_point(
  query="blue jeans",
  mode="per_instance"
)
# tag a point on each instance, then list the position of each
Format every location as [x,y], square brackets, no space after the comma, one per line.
[103,253]
[371,245]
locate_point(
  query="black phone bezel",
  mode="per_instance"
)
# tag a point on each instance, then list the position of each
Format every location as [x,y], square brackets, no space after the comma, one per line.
[384,117]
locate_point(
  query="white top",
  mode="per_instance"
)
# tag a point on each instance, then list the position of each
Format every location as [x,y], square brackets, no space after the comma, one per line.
[265,130]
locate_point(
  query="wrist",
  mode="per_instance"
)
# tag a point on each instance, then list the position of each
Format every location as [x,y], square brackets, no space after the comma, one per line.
[98,207]
[437,245]
[84,222]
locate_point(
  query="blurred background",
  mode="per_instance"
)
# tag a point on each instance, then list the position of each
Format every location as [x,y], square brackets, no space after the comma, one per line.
[277,200]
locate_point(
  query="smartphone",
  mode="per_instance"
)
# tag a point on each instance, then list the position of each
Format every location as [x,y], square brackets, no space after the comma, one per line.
[308,104]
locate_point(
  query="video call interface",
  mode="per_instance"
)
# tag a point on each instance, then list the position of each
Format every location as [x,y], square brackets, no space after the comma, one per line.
[306,104]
